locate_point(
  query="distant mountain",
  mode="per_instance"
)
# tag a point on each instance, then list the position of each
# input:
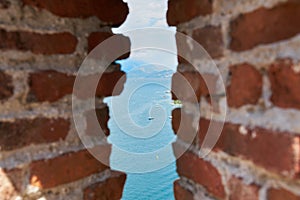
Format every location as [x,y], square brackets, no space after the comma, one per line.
[138,69]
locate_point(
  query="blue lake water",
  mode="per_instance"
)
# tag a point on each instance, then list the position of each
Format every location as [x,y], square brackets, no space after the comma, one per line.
[145,89]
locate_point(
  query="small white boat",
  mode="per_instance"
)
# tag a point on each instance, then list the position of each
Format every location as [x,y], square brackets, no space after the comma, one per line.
[150,118]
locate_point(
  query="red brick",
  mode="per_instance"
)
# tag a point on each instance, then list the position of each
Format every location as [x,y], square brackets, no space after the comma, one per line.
[96,38]
[275,151]
[182,193]
[6,86]
[285,84]
[4,4]
[111,11]
[50,85]
[239,190]
[102,117]
[245,87]
[190,86]
[8,190]
[264,26]
[180,11]
[280,194]
[182,125]
[110,189]
[64,169]
[183,49]
[202,172]
[210,38]
[16,177]
[110,84]
[56,43]
[23,132]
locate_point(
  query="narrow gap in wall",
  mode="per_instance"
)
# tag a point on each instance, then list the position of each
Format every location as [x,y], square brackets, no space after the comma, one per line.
[147,87]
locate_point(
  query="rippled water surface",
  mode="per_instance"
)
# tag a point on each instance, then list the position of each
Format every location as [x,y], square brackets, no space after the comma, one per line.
[145,88]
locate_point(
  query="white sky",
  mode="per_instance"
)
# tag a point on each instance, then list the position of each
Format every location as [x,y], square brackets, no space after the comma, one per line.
[149,13]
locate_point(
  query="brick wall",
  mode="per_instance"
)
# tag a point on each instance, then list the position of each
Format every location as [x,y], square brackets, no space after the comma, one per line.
[42,44]
[255,45]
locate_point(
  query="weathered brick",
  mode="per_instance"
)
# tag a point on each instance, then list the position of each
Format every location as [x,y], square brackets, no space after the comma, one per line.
[182,193]
[64,169]
[245,87]
[239,190]
[16,177]
[285,84]
[9,186]
[111,189]
[52,85]
[56,43]
[182,125]
[4,4]
[49,85]
[275,151]
[96,38]
[180,11]
[23,132]
[202,172]
[280,194]
[102,117]
[210,38]
[110,84]
[264,26]
[190,86]
[6,86]
[111,11]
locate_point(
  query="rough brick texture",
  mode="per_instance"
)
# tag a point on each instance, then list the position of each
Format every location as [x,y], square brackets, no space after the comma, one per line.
[182,125]
[202,172]
[96,38]
[245,87]
[285,79]
[42,45]
[6,86]
[111,11]
[264,26]
[23,132]
[278,194]
[10,183]
[52,85]
[180,11]
[190,86]
[4,4]
[103,117]
[64,169]
[181,193]
[38,38]
[110,189]
[56,43]
[255,46]
[210,38]
[257,145]
[110,84]
[239,190]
